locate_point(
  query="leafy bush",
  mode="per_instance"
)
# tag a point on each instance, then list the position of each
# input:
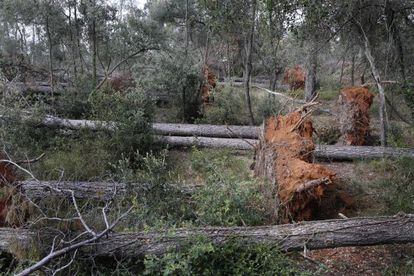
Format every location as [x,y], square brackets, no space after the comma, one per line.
[230,196]
[234,258]
[229,107]
[133,112]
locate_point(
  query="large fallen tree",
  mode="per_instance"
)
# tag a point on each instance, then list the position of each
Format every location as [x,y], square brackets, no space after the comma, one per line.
[35,189]
[234,137]
[321,151]
[289,237]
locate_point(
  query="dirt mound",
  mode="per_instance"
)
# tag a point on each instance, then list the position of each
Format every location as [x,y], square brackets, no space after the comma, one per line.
[296,186]
[210,82]
[354,105]
[295,78]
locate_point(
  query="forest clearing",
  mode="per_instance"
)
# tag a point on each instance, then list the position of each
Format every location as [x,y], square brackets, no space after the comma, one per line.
[203,137]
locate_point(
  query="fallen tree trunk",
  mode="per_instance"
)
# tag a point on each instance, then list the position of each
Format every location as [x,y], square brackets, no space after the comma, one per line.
[206,142]
[321,151]
[362,231]
[34,189]
[223,131]
[216,131]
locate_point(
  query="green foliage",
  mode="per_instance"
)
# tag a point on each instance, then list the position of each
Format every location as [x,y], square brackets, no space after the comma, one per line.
[234,258]
[230,196]
[398,189]
[229,107]
[133,113]
[83,159]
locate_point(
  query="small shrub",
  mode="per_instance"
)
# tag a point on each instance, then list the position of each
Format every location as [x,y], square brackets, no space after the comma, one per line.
[234,258]
[229,196]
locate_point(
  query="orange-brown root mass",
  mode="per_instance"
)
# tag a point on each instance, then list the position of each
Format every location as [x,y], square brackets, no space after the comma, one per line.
[210,83]
[354,117]
[7,176]
[295,78]
[286,148]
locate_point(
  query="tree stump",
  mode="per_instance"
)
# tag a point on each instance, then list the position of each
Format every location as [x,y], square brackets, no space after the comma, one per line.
[294,188]
[354,104]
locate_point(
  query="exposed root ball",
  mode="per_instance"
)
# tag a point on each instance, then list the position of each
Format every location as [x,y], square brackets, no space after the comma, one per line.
[295,187]
[354,105]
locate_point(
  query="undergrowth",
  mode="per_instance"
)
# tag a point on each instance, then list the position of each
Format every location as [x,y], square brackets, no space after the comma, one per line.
[234,258]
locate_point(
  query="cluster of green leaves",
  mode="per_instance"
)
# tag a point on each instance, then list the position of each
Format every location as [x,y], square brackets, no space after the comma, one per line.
[234,258]
[133,112]
[229,107]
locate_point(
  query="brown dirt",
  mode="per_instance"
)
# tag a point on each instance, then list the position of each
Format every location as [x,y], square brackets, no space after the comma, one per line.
[365,260]
[355,103]
[210,83]
[295,78]
[293,169]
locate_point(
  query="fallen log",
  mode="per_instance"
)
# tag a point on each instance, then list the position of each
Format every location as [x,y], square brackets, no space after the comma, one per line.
[207,142]
[161,128]
[321,151]
[237,132]
[222,131]
[34,189]
[361,231]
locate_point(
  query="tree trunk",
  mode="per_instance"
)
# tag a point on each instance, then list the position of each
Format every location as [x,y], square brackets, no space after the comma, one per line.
[321,151]
[94,53]
[376,75]
[99,191]
[248,63]
[362,231]
[311,70]
[389,12]
[353,71]
[49,39]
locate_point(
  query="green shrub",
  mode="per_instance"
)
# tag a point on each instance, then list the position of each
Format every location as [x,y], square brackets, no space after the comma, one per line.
[234,258]
[133,112]
[230,196]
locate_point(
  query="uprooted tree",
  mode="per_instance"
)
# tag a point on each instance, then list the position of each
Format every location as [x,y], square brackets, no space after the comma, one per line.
[296,189]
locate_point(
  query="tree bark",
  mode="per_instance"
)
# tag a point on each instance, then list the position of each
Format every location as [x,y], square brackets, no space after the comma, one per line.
[311,70]
[321,152]
[49,39]
[362,231]
[375,73]
[248,62]
[97,191]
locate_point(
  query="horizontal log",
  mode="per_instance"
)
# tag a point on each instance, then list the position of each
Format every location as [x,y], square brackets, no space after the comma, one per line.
[222,131]
[207,142]
[210,137]
[363,231]
[321,151]
[35,189]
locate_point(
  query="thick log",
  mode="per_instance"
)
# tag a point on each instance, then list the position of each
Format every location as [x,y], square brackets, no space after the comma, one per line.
[161,128]
[362,231]
[252,133]
[206,142]
[52,121]
[321,151]
[222,131]
[100,191]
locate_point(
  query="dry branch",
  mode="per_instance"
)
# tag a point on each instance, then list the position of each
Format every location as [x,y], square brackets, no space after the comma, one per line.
[290,237]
